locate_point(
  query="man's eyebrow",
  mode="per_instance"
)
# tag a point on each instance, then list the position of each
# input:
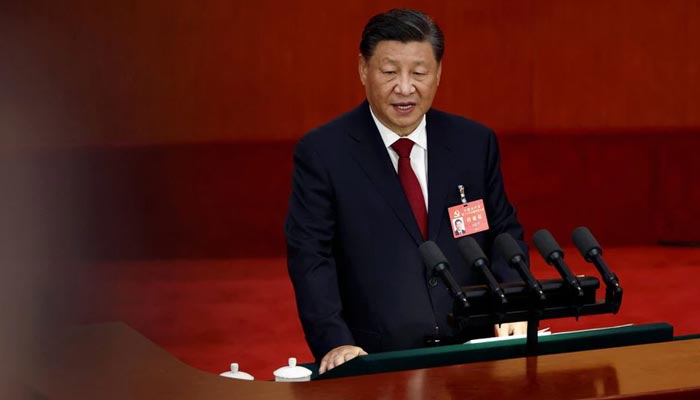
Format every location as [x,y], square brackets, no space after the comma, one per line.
[388,60]
[393,61]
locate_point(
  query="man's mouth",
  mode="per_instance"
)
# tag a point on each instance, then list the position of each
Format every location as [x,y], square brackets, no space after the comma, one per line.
[404,107]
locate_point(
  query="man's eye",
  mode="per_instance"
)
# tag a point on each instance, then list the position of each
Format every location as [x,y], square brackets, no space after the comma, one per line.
[389,72]
[419,73]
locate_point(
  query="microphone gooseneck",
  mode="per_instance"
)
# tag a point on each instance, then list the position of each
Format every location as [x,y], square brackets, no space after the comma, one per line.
[475,257]
[437,265]
[593,253]
[508,247]
[554,255]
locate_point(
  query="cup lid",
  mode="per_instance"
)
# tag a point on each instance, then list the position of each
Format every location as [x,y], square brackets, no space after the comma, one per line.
[292,371]
[235,373]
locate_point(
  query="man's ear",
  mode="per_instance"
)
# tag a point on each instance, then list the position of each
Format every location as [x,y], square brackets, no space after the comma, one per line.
[362,68]
[439,72]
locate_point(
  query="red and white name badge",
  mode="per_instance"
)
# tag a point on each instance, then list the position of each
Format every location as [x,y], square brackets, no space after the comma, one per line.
[468,218]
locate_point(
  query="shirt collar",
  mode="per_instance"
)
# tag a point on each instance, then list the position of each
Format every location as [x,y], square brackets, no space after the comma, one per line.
[418,136]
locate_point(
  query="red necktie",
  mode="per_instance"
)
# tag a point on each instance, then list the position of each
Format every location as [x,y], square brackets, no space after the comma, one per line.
[410,184]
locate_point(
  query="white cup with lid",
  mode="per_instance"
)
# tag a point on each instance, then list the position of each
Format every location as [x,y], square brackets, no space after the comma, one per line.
[235,373]
[292,372]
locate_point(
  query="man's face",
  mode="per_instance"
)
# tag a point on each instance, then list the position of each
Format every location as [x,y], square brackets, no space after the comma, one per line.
[458,225]
[400,80]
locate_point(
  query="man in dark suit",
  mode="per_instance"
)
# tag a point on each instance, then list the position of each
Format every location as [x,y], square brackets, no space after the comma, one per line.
[372,185]
[459,227]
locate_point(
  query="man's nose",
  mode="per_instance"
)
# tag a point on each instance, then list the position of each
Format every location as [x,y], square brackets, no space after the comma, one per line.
[405,85]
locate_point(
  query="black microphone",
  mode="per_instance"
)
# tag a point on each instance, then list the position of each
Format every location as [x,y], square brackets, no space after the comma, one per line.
[475,257]
[591,252]
[438,266]
[508,247]
[553,254]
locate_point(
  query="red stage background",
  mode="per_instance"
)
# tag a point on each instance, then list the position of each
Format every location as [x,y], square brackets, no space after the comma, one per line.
[596,104]
[184,71]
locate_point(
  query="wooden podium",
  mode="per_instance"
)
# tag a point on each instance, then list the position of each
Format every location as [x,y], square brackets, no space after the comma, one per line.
[112,361]
[492,350]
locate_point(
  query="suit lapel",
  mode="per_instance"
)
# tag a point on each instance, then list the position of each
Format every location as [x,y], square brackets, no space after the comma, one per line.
[441,168]
[367,148]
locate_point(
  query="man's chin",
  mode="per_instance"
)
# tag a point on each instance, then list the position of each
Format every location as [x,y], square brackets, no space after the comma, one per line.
[404,126]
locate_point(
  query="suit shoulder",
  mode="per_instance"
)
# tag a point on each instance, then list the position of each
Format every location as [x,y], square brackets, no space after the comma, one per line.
[331,131]
[455,129]
[453,122]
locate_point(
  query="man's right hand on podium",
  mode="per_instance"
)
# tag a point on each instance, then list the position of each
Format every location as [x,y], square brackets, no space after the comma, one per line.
[338,356]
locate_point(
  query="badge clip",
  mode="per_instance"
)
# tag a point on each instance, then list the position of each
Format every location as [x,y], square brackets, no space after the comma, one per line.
[462,195]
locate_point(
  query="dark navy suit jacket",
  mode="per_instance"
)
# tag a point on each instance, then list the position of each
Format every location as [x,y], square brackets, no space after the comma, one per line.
[353,242]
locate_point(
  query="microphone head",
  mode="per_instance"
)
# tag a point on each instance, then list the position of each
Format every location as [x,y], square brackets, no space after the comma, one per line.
[470,250]
[508,247]
[585,242]
[546,244]
[432,255]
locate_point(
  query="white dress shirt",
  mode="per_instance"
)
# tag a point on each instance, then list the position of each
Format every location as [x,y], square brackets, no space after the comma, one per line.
[419,152]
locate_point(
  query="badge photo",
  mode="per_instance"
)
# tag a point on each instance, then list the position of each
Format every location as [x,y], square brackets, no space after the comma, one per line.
[468,218]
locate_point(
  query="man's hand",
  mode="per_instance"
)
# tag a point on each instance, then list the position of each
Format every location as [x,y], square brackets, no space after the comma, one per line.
[513,328]
[338,356]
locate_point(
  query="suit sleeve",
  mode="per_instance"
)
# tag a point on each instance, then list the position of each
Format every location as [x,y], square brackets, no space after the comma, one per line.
[502,215]
[312,267]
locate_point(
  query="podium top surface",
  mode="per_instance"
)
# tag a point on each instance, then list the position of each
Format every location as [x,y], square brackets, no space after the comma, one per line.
[113,361]
[564,342]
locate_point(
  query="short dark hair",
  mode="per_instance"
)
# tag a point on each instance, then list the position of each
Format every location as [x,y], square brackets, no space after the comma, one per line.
[404,26]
